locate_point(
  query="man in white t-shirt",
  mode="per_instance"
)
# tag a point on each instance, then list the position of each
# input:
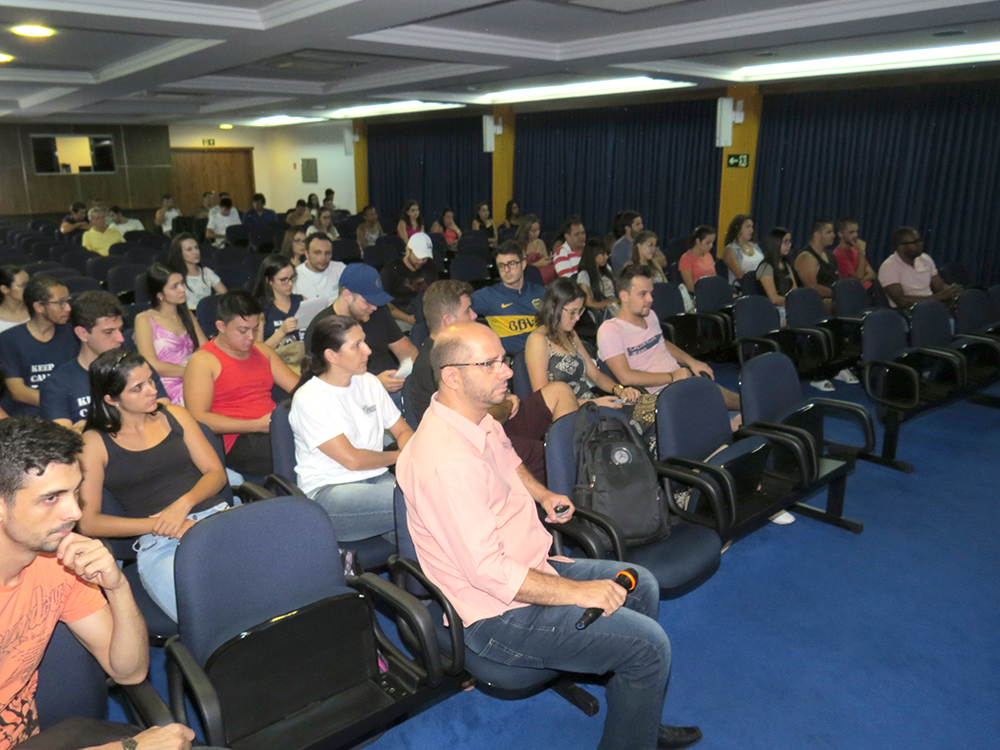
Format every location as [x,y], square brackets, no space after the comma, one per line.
[123,224]
[217,223]
[319,276]
[909,275]
[633,346]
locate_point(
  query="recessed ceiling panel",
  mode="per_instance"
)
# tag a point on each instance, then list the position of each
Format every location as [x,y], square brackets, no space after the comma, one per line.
[75,49]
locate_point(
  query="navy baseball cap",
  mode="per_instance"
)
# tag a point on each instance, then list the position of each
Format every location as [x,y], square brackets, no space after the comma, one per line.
[360,278]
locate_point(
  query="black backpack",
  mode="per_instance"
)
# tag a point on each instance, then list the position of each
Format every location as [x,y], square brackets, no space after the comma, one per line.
[615,476]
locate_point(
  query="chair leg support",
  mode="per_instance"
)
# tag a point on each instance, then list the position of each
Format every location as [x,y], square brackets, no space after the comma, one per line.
[889,443]
[834,513]
[985,399]
[577,696]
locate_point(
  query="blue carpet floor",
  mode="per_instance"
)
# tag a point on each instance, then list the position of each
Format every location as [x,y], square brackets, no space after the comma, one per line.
[812,637]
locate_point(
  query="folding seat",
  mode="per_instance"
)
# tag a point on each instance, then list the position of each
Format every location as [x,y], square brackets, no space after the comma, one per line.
[77,284]
[520,382]
[121,248]
[205,314]
[758,328]
[394,241]
[198,228]
[254,262]
[228,256]
[41,266]
[276,649]
[121,279]
[682,560]
[930,328]
[439,246]
[473,238]
[850,299]
[494,678]
[236,276]
[38,249]
[804,309]
[771,398]
[238,234]
[468,267]
[696,333]
[712,294]
[380,254]
[904,381]
[974,314]
[346,250]
[374,552]
[144,255]
[97,268]
[481,251]
[692,424]
[533,275]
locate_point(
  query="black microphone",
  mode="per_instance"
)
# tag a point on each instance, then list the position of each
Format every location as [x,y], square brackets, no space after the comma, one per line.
[626,579]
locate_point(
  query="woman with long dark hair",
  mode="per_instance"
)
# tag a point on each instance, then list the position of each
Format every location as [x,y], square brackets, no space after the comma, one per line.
[154,460]
[528,236]
[644,254]
[411,220]
[482,222]
[199,281]
[446,225]
[698,262]
[512,214]
[294,246]
[741,253]
[596,279]
[324,224]
[167,334]
[339,415]
[13,311]
[369,230]
[274,292]
[776,274]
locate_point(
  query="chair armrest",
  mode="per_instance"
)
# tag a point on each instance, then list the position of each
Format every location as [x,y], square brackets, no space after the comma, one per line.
[146,705]
[281,486]
[906,370]
[584,536]
[955,360]
[669,332]
[249,492]
[184,672]
[854,411]
[400,567]
[417,617]
[769,344]
[795,439]
[816,334]
[714,482]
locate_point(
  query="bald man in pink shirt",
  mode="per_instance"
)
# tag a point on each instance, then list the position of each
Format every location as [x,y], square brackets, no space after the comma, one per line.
[471,511]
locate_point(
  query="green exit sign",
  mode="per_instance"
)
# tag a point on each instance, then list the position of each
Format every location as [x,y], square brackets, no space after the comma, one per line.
[207,141]
[740,161]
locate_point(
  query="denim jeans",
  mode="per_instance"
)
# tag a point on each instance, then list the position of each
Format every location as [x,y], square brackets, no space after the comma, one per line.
[155,560]
[360,510]
[629,643]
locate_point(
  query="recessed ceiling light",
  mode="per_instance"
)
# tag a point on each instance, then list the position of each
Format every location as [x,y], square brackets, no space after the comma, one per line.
[5,58]
[589,88]
[32,30]
[389,108]
[226,126]
[268,122]
[949,32]
[929,57]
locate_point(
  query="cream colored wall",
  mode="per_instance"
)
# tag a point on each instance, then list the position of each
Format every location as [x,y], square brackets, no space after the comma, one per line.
[277,158]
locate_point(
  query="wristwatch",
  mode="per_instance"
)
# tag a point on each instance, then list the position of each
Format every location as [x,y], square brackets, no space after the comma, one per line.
[129,743]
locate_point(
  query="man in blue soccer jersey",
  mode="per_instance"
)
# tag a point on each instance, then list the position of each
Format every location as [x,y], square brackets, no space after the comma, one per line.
[509,307]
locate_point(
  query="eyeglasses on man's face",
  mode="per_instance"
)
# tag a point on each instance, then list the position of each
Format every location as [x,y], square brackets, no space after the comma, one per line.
[492,366]
[509,265]
[917,241]
[61,302]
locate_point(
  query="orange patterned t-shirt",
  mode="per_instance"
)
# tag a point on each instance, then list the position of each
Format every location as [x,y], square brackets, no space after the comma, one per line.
[46,593]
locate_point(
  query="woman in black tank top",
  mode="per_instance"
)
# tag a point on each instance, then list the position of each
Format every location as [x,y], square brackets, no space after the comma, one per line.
[154,460]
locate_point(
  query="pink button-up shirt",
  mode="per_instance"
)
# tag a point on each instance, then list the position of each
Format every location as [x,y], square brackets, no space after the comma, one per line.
[474,525]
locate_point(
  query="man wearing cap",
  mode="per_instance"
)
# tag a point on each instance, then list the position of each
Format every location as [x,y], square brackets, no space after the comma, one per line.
[404,278]
[318,277]
[363,298]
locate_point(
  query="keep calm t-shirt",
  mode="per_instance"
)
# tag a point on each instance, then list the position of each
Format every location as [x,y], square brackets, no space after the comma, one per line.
[23,356]
[361,412]
[644,348]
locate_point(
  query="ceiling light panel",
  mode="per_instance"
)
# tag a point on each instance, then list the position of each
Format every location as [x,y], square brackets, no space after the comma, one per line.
[587,88]
[33,31]
[390,108]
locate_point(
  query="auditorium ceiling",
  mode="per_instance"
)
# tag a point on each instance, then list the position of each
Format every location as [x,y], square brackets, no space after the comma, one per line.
[244,61]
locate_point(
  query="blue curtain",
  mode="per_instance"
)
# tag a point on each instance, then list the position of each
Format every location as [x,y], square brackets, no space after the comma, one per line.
[659,160]
[438,163]
[926,156]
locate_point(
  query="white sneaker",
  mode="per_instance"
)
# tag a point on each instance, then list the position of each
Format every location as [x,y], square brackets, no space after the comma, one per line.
[783,518]
[823,385]
[847,376]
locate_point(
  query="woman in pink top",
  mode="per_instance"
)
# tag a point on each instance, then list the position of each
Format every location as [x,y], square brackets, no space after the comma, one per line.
[698,262]
[446,225]
[168,334]
[410,220]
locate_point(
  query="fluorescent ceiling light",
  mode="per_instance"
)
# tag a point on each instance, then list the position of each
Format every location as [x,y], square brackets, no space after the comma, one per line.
[269,122]
[588,88]
[389,108]
[226,126]
[913,58]
[31,30]
[5,58]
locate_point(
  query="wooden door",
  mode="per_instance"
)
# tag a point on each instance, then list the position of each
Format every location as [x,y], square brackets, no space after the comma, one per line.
[196,170]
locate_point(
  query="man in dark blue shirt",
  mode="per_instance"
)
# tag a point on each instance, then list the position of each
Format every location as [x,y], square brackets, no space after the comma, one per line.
[509,307]
[30,352]
[258,216]
[96,319]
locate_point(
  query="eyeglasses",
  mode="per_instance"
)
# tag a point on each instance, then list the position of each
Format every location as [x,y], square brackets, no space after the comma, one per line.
[61,302]
[509,265]
[289,280]
[493,366]
[575,313]
[918,241]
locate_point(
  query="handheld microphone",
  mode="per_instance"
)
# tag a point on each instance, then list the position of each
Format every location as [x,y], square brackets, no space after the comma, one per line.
[626,579]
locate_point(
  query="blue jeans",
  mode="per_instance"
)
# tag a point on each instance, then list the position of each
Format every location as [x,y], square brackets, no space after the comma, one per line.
[629,643]
[155,560]
[360,510]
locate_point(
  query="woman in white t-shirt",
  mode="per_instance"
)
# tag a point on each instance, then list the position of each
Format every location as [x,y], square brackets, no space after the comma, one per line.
[742,254]
[199,281]
[339,415]
[13,311]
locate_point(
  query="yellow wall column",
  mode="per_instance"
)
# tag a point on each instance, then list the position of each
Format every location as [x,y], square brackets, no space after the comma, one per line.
[360,163]
[736,188]
[503,162]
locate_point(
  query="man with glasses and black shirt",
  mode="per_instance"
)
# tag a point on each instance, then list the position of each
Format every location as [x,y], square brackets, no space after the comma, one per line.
[31,351]
[909,275]
[510,306]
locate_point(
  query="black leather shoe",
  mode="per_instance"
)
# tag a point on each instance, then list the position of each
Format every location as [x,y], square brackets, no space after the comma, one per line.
[674,738]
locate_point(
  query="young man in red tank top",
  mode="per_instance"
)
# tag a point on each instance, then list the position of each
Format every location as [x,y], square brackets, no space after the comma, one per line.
[228,381]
